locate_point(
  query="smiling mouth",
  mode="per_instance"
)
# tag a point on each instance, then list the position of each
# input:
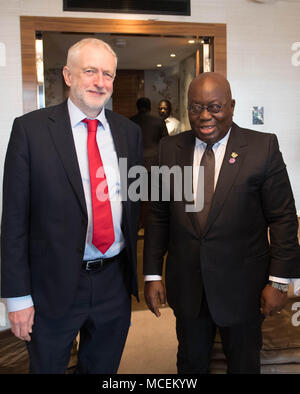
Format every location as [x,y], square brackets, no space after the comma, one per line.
[207,129]
[96,93]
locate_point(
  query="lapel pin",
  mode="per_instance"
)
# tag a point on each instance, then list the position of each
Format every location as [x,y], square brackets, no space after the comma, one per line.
[234,155]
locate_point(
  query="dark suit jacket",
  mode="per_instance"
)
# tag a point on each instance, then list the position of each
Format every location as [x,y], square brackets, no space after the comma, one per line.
[233,258]
[153,129]
[44,220]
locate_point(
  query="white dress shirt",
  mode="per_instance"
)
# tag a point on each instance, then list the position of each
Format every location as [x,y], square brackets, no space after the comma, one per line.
[219,149]
[173,125]
[111,168]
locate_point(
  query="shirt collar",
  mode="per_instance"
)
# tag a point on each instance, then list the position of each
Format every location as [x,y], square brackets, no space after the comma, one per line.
[76,115]
[223,141]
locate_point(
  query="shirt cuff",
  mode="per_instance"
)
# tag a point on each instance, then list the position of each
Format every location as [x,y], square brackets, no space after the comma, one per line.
[296,284]
[17,303]
[148,278]
[279,280]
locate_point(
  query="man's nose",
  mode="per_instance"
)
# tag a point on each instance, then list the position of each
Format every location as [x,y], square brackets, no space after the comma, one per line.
[99,79]
[205,114]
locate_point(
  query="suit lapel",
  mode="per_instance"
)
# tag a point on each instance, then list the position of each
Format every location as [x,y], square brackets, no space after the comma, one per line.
[228,173]
[61,132]
[185,158]
[121,145]
[118,135]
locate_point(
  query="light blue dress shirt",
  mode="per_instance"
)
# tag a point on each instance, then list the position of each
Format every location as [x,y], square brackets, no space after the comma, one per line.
[111,168]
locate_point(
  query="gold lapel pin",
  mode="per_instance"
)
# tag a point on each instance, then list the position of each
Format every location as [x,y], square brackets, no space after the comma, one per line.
[234,155]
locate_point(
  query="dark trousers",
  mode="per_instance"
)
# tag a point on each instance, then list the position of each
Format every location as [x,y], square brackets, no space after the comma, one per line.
[145,204]
[241,344]
[100,312]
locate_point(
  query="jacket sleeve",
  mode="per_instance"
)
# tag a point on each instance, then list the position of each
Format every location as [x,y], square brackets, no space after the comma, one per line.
[157,227]
[15,273]
[280,213]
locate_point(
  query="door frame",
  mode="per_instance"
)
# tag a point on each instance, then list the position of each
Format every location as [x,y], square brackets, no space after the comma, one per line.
[29,25]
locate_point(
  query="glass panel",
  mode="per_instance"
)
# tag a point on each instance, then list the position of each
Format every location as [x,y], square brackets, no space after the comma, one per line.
[40,71]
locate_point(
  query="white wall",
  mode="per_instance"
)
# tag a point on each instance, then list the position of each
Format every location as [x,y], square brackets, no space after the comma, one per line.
[259,60]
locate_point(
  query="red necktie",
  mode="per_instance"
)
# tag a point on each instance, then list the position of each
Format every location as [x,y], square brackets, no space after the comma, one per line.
[103,230]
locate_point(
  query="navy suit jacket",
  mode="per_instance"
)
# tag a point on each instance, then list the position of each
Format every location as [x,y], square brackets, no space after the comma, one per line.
[44,220]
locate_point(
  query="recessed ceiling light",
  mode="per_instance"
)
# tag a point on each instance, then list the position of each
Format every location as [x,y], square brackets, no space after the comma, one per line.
[191,41]
[173,55]
[159,65]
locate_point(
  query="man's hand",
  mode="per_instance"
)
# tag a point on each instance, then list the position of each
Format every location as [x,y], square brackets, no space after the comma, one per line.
[272,300]
[22,322]
[155,293]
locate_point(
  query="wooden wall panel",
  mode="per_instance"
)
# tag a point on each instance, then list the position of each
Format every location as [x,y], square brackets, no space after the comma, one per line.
[29,25]
[129,86]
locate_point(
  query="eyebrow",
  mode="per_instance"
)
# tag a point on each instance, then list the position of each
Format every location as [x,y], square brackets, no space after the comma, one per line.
[96,68]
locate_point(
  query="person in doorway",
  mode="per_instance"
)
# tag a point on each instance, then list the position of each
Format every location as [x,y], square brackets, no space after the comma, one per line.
[68,241]
[153,129]
[221,270]
[165,111]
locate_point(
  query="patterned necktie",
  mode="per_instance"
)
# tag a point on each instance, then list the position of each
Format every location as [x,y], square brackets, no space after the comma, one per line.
[208,161]
[103,230]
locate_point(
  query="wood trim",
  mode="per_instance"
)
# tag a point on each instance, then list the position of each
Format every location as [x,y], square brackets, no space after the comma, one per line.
[197,61]
[29,25]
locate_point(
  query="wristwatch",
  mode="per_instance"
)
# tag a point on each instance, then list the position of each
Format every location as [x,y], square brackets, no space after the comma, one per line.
[283,287]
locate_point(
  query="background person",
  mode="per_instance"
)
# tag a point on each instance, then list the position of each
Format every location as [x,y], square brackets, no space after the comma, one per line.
[165,110]
[153,129]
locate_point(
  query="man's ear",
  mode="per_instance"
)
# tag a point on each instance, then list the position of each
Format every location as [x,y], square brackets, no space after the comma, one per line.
[67,75]
[232,106]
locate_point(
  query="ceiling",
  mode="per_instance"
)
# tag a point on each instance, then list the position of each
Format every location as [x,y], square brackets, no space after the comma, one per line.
[134,52]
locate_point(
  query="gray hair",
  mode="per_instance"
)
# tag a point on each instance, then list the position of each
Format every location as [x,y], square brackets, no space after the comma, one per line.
[74,49]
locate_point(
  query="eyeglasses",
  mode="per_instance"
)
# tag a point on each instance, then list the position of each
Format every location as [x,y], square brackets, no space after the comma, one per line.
[196,109]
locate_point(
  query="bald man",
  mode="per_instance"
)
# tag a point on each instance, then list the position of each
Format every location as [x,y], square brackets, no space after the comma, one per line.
[221,271]
[69,257]
[165,112]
